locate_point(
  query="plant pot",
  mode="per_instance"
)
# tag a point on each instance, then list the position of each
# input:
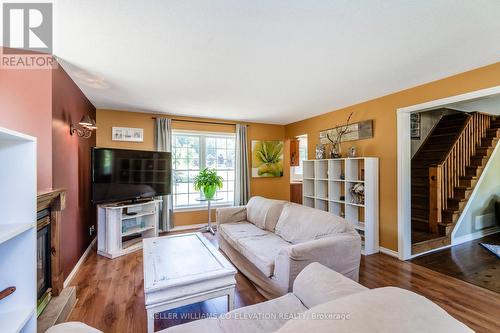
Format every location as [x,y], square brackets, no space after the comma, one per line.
[209,191]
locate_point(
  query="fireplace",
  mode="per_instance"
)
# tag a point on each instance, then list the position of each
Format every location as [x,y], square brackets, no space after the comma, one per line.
[48,265]
[43,246]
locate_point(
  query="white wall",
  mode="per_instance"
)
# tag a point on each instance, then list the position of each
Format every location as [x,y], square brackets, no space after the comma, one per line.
[482,203]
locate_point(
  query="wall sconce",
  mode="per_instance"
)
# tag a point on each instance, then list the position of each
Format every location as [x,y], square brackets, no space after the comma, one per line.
[87,124]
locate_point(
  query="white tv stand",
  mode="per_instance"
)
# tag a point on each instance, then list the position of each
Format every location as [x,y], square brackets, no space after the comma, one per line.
[118,223]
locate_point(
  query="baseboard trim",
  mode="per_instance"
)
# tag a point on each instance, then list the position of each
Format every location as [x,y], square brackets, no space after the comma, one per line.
[389,252]
[475,235]
[75,269]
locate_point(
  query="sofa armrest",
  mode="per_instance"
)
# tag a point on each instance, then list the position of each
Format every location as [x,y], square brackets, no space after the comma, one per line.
[341,252]
[231,214]
[317,284]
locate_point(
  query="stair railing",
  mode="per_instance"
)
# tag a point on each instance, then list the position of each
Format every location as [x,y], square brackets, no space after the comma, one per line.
[445,175]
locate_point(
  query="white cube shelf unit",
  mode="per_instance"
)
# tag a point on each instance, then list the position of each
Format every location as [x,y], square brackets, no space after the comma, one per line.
[327,186]
[121,227]
[18,231]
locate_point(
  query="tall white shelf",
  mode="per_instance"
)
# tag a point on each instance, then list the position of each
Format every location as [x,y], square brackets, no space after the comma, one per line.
[18,231]
[327,184]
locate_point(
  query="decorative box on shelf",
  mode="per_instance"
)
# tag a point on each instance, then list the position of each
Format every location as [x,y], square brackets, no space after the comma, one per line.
[347,187]
[121,227]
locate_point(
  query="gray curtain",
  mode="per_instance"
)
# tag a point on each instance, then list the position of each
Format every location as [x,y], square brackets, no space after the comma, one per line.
[163,142]
[242,178]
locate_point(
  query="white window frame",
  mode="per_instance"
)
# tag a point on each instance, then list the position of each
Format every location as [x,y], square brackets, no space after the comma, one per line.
[294,176]
[202,157]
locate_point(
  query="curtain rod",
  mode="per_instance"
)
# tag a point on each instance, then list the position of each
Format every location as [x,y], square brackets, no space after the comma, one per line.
[199,121]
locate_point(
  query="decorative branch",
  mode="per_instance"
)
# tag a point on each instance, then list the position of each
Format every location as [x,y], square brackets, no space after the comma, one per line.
[340,131]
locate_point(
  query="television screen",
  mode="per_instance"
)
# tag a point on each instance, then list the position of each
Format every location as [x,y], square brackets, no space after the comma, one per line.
[122,174]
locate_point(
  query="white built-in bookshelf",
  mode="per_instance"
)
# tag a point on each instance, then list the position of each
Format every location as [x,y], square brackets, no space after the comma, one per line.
[18,231]
[327,186]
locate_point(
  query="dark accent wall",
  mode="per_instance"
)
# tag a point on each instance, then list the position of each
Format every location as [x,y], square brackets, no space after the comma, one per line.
[71,167]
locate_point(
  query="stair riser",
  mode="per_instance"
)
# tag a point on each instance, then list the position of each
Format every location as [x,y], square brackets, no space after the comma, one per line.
[446,229]
[479,161]
[484,151]
[420,182]
[424,173]
[493,132]
[418,201]
[429,245]
[449,217]
[462,193]
[488,142]
[456,205]
[473,172]
[419,226]
[467,182]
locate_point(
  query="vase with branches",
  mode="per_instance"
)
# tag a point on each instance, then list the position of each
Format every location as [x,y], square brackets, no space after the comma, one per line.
[336,138]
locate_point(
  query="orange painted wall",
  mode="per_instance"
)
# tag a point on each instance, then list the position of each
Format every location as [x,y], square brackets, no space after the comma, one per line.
[276,188]
[384,143]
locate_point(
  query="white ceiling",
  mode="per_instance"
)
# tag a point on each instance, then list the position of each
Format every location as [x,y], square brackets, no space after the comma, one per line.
[266,61]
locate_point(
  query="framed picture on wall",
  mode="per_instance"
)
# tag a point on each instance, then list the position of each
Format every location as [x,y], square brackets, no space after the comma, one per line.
[267,158]
[127,134]
[415,126]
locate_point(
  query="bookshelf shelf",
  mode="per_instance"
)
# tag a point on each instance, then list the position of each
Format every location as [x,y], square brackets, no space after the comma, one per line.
[327,186]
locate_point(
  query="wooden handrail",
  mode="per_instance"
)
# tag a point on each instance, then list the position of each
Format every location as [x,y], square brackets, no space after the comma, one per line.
[446,174]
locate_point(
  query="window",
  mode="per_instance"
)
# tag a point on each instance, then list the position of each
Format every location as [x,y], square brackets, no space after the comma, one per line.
[194,151]
[296,171]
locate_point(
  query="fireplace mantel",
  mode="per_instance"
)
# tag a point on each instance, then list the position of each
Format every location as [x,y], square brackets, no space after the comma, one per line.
[55,201]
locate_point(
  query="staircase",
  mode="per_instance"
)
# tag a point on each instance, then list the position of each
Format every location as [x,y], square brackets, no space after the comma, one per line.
[444,172]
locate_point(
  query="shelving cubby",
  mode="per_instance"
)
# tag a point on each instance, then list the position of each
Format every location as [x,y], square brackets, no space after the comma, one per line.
[327,186]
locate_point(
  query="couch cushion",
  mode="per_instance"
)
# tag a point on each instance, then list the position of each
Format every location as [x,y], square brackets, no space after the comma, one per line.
[262,317]
[378,310]
[264,213]
[208,325]
[299,224]
[72,327]
[232,232]
[261,251]
[317,284]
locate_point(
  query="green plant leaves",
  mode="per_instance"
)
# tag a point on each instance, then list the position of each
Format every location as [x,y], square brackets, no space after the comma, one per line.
[206,178]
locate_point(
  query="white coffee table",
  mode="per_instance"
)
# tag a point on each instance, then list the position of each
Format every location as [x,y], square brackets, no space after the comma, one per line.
[184,269]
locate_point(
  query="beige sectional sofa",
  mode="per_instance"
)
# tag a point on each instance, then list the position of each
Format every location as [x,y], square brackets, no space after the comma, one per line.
[326,301]
[271,241]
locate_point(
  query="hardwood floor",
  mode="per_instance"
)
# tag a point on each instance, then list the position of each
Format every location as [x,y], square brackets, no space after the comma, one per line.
[469,262]
[110,293]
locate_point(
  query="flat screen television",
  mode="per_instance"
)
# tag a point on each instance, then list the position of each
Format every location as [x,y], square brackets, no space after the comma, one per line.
[123,174]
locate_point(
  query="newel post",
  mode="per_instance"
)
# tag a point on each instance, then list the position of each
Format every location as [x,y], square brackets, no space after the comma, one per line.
[435,208]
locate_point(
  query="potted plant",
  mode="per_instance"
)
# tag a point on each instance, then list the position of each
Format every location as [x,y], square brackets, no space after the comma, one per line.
[207,181]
